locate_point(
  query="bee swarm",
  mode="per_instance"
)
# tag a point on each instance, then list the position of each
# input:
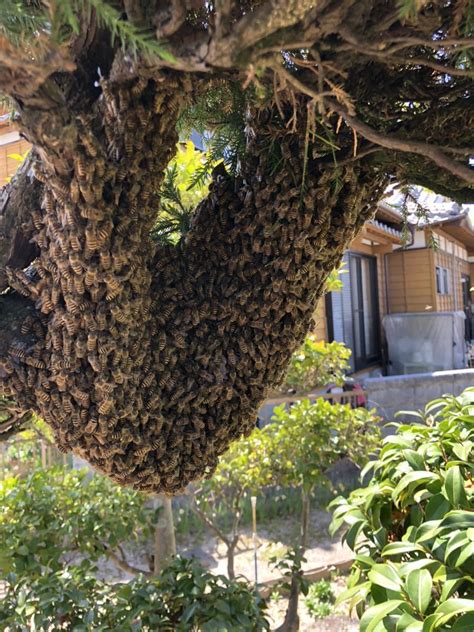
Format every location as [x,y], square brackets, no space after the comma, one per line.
[148,361]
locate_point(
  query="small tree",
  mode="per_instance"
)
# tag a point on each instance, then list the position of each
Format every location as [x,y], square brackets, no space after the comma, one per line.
[218,501]
[57,517]
[317,363]
[305,442]
[412,526]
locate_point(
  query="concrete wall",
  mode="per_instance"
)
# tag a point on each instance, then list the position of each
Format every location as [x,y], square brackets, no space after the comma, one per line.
[412,392]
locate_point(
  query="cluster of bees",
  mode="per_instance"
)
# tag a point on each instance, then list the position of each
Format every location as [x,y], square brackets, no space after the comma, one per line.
[149,360]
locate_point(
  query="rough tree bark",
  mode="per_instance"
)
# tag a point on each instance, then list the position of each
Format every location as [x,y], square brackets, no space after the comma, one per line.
[147,361]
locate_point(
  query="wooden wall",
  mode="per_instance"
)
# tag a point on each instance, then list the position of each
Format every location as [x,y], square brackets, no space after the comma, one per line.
[411,282]
[412,276]
[8,166]
[453,256]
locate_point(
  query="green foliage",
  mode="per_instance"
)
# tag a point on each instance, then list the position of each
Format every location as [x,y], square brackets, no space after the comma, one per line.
[219,113]
[296,450]
[290,567]
[333,282]
[317,363]
[322,591]
[24,22]
[180,193]
[56,512]
[412,527]
[310,437]
[185,597]
[320,599]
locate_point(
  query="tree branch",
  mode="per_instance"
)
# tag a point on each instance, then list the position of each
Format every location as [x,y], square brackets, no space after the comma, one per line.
[123,565]
[18,199]
[201,514]
[255,26]
[399,144]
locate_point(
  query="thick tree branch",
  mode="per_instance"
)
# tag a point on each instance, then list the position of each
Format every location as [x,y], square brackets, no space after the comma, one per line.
[255,26]
[405,145]
[19,200]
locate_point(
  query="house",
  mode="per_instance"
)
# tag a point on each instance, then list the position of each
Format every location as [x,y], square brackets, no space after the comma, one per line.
[354,315]
[405,305]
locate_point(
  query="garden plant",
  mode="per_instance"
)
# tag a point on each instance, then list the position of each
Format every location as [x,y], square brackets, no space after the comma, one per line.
[412,526]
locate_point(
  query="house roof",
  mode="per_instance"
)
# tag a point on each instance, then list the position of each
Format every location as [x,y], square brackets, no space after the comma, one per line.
[425,208]
[461,227]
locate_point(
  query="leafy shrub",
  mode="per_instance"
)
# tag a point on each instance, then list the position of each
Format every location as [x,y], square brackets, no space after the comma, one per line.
[317,363]
[322,591]
[56,512]
[412,527]
[320,599]
[305,440]
[185,597]
[319,609]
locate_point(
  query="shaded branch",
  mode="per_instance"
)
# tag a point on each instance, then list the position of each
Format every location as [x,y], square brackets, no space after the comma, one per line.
[255,26]
[123,565]
[201,514]
[18,199]
[399,144]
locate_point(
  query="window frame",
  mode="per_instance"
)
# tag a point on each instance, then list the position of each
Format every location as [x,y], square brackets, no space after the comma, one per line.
[442,281]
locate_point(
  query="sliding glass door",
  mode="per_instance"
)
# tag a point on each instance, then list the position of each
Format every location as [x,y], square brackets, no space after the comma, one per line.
[366,341]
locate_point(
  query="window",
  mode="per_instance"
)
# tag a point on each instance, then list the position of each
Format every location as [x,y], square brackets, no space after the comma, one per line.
[442,280]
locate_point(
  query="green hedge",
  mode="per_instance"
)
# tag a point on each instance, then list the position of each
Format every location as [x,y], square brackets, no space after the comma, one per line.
[412,527]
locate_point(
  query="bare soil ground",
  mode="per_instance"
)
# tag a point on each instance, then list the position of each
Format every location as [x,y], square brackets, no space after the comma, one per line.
[274,538]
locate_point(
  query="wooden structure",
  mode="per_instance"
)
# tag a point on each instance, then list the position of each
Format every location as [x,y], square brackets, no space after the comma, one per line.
[11,144]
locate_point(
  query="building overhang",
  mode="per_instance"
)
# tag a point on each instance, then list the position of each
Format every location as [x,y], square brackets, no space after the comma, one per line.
[461,229]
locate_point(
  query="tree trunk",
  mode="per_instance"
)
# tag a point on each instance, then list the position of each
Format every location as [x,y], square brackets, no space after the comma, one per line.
[230,561]
[291,622]
[148,361]
[165,542]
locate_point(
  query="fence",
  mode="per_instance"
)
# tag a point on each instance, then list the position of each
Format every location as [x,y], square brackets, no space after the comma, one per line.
[21,455]
[353,399]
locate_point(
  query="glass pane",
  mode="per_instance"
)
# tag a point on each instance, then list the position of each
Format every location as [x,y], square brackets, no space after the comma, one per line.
[446,283]
[356,306]
[368,306]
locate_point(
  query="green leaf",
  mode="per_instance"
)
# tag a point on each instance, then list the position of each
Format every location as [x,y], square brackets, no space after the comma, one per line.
[413,479]
[466,554]
[408,623]
[419,584]
[414,459]
[462,450]
[464,623]
[458,520]
[374,615]
[454,487]
[451,608]
[400,548]
[385,575]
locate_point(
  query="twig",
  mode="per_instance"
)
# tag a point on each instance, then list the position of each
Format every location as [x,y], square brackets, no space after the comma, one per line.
[399,144]
[209,523]
[123,565]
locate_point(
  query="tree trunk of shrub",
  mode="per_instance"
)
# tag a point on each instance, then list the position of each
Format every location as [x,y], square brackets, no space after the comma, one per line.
[165,541]
[292,620]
